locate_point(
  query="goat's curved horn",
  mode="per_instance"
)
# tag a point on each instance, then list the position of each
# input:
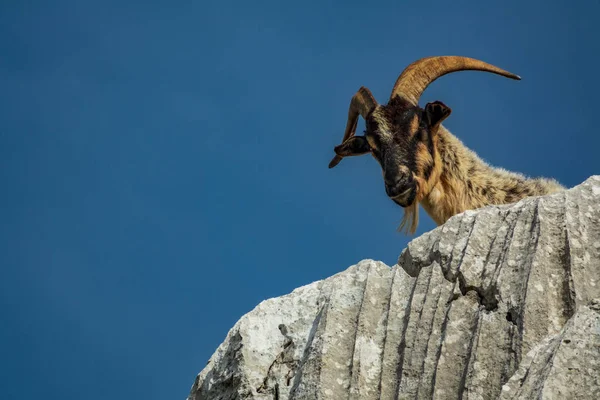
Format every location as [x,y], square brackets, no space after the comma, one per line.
[420,74]
[362,103]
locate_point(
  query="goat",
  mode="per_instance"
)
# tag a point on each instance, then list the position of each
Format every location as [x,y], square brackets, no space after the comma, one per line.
[421,161]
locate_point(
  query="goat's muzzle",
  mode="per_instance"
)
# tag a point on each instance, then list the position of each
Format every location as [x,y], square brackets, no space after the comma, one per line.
[402,190]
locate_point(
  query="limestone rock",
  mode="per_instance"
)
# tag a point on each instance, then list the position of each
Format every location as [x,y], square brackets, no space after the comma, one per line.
[500,302]
[563,366]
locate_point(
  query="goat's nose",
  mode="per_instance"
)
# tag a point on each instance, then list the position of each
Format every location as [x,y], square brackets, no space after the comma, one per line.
[393,181]
[393,185]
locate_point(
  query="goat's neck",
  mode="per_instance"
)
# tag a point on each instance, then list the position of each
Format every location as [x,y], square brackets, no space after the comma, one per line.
[464,182]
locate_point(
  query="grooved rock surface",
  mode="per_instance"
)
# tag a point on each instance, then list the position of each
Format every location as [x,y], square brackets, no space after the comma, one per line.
[500,302]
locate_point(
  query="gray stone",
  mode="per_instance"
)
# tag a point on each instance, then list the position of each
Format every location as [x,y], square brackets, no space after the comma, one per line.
[500,302]
[563,366]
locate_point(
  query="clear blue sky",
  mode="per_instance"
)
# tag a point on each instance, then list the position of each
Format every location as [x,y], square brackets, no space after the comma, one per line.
[163,164]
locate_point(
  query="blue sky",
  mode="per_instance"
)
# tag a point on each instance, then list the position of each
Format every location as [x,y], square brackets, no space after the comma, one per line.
[164,164]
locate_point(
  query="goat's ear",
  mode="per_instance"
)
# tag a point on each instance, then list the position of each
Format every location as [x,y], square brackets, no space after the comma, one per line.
[435,113]
[355,146]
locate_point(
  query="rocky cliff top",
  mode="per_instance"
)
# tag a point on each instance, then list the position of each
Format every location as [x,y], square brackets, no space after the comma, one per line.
[501,302]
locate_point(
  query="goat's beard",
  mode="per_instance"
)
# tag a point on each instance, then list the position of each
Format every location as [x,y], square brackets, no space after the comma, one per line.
[410,220]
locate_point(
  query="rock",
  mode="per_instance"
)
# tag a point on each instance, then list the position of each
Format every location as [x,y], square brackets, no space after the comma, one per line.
[500,302]
[563,366]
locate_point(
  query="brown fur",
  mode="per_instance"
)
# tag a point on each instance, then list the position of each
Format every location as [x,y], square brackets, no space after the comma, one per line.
[461,181]
[422,162]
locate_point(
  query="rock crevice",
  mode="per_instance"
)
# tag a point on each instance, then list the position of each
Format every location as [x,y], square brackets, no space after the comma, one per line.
[500,302]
